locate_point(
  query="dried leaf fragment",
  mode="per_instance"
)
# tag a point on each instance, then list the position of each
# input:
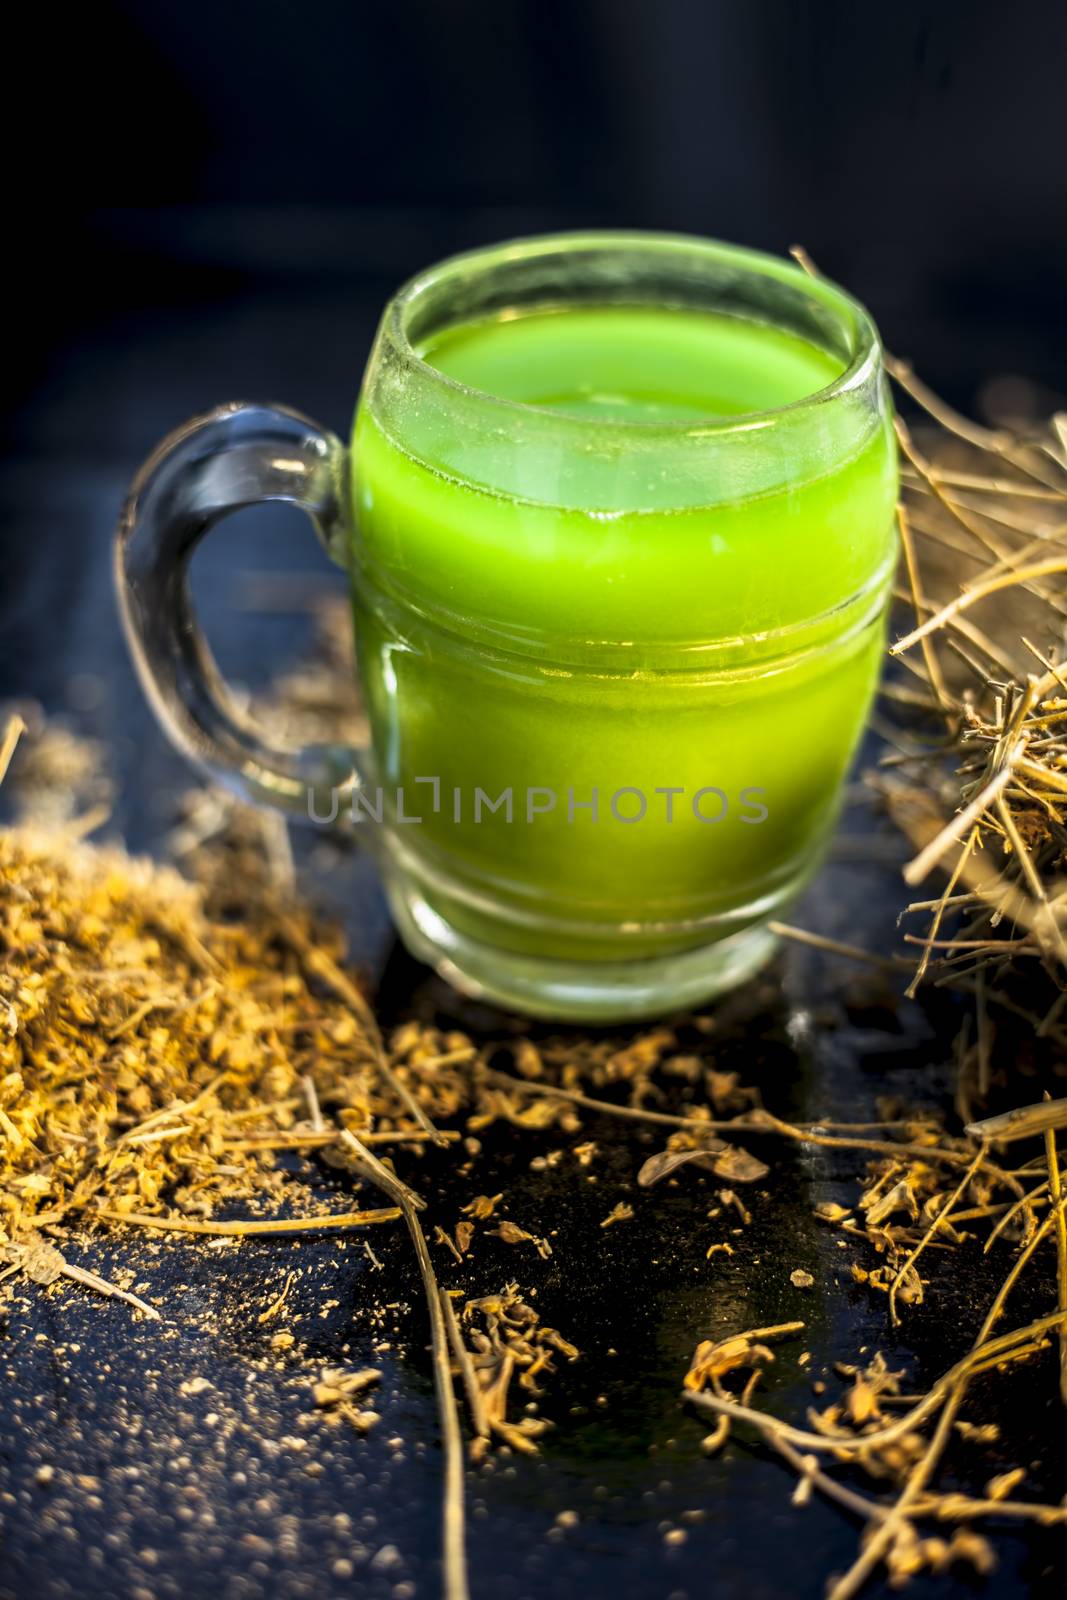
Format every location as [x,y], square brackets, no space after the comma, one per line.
[830,1211]
[1000,1487]
[660,1166]
[739,1166]
[40,1261]
[728,1198]
[505,1338]
[713,1359]
[980,1433]
[724,1160]
[901,1197]
[337,1386]
[511,1233]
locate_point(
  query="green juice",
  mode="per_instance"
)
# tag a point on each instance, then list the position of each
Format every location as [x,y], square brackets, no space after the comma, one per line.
[683,659]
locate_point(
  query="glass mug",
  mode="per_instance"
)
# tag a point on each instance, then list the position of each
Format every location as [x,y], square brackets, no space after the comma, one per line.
[618,517]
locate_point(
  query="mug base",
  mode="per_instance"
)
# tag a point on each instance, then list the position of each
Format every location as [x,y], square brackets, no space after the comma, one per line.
[573,991]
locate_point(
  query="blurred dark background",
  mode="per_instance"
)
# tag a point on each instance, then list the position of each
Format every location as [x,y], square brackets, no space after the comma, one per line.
[208,154]
[213,200]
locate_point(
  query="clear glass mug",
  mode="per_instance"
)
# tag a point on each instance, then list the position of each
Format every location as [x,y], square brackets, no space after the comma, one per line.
[615,669]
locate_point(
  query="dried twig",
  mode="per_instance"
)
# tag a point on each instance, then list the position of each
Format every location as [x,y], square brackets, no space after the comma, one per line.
[453,1516]
[327,970]
[1056,1197]
[246,1227]
[940,1221]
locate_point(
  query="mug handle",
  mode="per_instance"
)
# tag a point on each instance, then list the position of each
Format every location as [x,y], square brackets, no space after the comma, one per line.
[236,456]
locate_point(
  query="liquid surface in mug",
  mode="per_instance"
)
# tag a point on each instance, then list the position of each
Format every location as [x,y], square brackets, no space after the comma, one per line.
[534,614]
[633,363]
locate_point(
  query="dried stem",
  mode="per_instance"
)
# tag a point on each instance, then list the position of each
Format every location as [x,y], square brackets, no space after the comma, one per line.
[320,964]
[380,1174]
[14,728]
[933,669]
[1056,1196]
[953,1391]
[939,1222]
[845,1444]
[935,925]
[93,1280]
[245,1227]
[835,947]
[979,591]
[953,830]
[453,1518]
[763,1122]
[453,1515]
[475,1400]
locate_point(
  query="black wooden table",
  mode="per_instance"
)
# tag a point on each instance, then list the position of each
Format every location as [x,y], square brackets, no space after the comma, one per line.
[182,1456]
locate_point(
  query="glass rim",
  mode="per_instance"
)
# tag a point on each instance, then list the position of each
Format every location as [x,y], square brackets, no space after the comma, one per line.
[864,365]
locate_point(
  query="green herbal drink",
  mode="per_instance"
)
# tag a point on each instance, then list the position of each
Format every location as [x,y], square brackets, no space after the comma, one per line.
[618,524]
[631,683]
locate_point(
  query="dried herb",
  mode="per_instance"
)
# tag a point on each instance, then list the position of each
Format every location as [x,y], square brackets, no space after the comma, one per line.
[507,1338]
[511,1233]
